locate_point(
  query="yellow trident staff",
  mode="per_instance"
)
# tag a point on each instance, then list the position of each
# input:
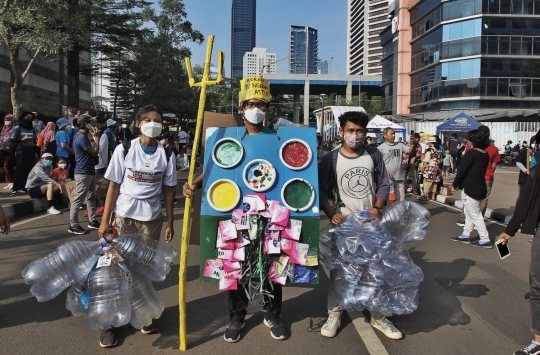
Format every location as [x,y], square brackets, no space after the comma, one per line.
[203,84]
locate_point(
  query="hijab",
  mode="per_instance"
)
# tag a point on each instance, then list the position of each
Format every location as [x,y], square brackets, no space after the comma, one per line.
[5,135]
[49,133]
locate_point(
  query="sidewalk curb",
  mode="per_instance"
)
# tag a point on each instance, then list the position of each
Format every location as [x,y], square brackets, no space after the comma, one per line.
[24,208]
[34,205]
[498,216]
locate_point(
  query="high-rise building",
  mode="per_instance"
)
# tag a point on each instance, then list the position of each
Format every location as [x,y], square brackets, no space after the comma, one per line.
[259,61]
[462,55]
[303,50]
[365,21]
[243,33]
[322,67]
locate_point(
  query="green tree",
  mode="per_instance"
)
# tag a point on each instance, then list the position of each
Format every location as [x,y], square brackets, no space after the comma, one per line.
[152,70]
[34,28]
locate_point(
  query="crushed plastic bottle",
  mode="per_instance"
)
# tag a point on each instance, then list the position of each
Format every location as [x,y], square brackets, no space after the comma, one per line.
[146,303]
[372,267]
[74,303]
[68,263]
[406,221]
[145,255]
[109,304]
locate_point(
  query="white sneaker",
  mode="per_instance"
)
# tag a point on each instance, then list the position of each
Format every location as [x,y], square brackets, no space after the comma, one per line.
[387,327]
[53,210]
[331,326]
[8,186]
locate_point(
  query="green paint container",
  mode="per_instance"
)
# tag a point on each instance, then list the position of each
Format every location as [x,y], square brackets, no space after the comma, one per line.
[227,153]
[298,195]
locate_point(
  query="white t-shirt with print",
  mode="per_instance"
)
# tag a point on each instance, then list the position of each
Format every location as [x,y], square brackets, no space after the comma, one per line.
[355,180]
[140,176]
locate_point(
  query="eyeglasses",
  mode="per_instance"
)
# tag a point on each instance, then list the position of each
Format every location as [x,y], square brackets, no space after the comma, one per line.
[260,104]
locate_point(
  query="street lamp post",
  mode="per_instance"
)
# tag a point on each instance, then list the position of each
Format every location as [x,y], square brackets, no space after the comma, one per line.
[330,71]
[322,109]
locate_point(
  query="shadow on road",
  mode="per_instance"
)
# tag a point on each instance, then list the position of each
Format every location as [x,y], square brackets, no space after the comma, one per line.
[439,303]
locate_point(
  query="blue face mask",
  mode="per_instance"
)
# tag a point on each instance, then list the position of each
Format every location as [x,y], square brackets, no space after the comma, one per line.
[47,163]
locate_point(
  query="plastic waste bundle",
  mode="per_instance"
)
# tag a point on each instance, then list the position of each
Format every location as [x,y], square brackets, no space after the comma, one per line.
[68,263]
[110,293]
[371,267]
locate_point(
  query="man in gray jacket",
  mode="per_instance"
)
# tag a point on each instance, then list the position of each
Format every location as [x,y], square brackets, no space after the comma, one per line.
[39,183]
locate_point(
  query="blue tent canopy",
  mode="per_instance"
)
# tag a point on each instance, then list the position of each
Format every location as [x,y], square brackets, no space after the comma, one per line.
[460,123]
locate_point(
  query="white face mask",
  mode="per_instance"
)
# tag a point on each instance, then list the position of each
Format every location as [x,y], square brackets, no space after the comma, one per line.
[62,166]
[124,126]
[254,115]
[533,145]
[151,129]
[7,123]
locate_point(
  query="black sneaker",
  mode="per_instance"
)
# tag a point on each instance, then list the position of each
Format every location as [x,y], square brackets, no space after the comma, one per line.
[277,329]
[478,243]
[14,193]
[232,332]
[24,191]
[93,225]
[107,338]
[76,230]
[461,223]
[532,349]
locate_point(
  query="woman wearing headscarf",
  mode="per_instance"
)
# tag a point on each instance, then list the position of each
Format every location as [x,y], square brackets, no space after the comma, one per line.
[5,150]
[49,139]
[25,158]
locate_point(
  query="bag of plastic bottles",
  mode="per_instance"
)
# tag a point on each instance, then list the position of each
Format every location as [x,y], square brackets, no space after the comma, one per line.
[111,287]
[406,221]
[68,263]
[370,267]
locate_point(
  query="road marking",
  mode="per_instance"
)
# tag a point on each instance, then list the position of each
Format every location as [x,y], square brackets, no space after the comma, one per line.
[28,221]
[371,340]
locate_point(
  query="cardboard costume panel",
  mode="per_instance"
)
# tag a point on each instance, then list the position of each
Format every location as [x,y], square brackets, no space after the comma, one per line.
[270,175]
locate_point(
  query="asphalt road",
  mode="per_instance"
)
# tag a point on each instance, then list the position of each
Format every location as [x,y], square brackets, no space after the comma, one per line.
[471,303]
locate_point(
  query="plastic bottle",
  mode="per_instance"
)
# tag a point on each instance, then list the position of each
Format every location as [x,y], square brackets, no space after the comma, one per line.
[146,256]
[146,303]
[68,263]
[73,300]
[109,305]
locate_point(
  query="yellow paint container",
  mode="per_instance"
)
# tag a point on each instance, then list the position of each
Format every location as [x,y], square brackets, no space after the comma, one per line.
[223,195]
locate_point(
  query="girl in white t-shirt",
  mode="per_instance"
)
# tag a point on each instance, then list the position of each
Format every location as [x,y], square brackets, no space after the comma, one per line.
[136,182]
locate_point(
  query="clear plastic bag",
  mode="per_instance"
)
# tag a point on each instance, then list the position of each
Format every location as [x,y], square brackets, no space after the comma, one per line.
[372,267]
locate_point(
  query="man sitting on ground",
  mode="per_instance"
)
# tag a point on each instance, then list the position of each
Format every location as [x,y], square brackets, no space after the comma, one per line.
[40,184]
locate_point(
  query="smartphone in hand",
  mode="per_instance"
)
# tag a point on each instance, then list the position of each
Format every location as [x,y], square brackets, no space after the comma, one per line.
[502,249]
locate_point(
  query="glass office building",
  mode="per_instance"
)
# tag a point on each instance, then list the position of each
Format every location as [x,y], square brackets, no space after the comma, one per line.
[303,50]
[469,54]
[243,25]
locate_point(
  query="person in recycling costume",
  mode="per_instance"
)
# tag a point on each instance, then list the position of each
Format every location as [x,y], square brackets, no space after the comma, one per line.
[254,102]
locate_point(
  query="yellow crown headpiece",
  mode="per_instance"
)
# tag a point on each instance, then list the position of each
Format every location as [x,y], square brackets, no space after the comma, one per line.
[254,87]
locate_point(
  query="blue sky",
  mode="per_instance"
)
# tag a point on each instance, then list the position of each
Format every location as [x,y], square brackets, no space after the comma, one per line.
[274,17]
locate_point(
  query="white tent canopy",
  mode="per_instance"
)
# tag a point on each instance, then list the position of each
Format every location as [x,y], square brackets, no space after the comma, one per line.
[378,123]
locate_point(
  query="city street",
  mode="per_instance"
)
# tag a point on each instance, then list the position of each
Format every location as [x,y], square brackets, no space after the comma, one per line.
[471,302]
